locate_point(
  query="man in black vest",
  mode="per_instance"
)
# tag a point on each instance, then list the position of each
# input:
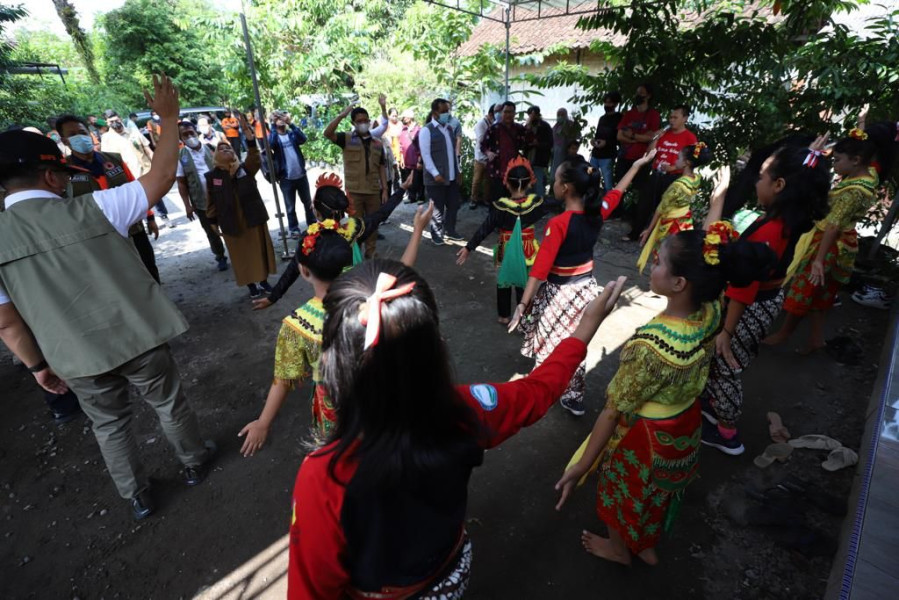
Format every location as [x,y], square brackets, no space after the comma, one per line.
[437,142]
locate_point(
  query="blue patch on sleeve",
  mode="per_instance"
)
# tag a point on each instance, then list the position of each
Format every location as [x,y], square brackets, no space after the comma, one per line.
[485,395]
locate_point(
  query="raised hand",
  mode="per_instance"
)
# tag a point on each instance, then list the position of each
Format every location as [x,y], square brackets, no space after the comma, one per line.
[165,97]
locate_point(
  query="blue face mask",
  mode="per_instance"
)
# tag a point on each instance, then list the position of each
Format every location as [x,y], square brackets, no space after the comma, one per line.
[82,144]
[444,118]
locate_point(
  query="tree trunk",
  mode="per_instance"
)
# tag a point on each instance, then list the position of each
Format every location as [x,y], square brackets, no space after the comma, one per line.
[69,17]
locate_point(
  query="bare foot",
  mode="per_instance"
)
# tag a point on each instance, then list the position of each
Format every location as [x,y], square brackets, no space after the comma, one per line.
[810,349]
[775,339]
[649,556]
[604,548]
[503,320]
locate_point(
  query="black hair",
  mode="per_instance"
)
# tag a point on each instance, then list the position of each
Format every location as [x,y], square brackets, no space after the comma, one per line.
[437,103]
[132,116]
[683,108]
[186,125]
[575,143]
[110,114]
[585,180]
[397,408]
[522,176]
[704,158]
[740,264]
[880,145]
[534,109]
[613,96]
[330,202]
[648,87]
[63,119]
[356,112]
[508,103]
[16,177]
[330,256]
[803,199]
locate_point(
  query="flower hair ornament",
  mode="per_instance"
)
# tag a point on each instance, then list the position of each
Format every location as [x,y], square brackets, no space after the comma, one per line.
[314,231]
[519,161]
[718,233]
[370,310]
[698,148]
[329,180]
[858,134]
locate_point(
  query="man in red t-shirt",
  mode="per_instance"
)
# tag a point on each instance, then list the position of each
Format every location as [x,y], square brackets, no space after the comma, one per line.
[674,139]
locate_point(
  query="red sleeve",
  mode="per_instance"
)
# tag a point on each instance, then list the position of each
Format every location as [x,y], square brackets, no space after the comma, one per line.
[771,233]
[653,120]
[610,202]
[555,233]
[317,543]
[746,295]
[506,408]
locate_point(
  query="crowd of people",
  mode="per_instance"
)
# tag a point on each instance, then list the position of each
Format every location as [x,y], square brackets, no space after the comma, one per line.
[379,503]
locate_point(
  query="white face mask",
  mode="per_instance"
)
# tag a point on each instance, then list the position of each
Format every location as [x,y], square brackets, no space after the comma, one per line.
[192,142]
[361,128]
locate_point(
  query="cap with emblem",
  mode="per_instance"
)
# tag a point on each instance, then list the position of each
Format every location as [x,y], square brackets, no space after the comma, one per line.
[21,149]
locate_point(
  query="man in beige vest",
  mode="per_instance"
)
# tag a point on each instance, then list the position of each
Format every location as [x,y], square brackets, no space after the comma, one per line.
[364,163]
[79,311]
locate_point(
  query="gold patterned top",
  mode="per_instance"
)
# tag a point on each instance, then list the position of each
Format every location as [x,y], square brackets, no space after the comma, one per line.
[666,361]
[680,193]
[299,346]
[850,200]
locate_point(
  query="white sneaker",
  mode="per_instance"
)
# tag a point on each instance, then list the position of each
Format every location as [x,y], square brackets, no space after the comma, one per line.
[872,297]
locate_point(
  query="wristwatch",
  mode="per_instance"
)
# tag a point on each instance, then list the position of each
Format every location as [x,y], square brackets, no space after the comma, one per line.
[39,366]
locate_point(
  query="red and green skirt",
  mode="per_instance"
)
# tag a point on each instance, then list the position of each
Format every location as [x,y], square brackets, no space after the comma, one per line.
[647,466]
[803,296]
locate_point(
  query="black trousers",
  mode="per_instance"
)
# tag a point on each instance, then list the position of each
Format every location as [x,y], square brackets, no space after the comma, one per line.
[215,240]
[504,300]
[141,241]
[651,190]
[446,205]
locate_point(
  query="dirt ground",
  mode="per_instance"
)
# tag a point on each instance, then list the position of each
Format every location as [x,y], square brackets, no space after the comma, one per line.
[67,534]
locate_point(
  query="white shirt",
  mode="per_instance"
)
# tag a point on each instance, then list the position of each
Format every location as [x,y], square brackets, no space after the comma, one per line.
[480,131]
[424,143]
[199,158]
[291,160]
[122,206]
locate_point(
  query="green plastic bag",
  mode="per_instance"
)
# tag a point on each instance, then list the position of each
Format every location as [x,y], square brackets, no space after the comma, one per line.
[744,218]
[514,269]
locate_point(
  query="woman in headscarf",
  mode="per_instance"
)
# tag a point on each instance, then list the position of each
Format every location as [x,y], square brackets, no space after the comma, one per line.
[236,208]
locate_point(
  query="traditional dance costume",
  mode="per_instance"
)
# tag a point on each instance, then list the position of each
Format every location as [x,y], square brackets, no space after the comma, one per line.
[565,265]
[724,390]
[850,200]
[348,540]
[509,216]
[654,452]
[297,355]
[674,215]
[354,230]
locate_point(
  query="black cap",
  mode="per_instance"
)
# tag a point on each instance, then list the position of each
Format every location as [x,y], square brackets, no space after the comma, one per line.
[21,149]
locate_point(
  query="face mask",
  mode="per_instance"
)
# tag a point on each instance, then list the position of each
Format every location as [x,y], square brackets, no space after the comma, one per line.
[192,142]
[639,99]
[561,118]
[117,126]
[361,128]
[444,118]
[82,144]
[609,109]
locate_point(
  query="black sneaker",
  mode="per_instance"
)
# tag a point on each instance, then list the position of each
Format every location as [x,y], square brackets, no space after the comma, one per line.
[454,237]
[222,263]
[712,437]
[705,405]
[265,287]
[437,241]
[142,506]
[575,407]
[256,292]
[195,475]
